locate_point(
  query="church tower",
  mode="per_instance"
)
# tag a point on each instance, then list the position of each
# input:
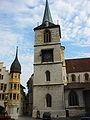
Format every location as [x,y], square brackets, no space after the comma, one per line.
[14,87]
[48,85]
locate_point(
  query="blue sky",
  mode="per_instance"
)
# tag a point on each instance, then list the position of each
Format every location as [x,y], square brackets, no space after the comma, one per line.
[19,17]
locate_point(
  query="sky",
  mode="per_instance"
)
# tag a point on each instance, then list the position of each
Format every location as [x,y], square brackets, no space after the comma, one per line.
[18,18]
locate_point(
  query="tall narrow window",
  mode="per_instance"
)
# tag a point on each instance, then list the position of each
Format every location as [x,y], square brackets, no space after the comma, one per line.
[47,36]
[47,76]
[86,75]
[10,96]
[15,86]
[73,77]
[73,99]
[2,86]
[17,96]
[18,86]
[5,87]
[2,96]
[14,96]
[11,86]
[0,76]
[48,100]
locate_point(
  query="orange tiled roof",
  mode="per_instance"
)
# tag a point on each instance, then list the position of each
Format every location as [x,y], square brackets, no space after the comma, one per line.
[77,65]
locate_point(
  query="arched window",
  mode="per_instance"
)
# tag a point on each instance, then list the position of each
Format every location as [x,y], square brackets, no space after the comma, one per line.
[47,36]
[86,75]
[73,99]
[47,76]
[73,77]
[48,100]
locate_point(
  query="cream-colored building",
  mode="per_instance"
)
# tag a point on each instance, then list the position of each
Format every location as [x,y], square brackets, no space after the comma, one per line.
[10,91]
[4,77]
[61,87]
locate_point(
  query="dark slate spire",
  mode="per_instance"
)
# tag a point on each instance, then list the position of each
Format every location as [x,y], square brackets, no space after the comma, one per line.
[15,66]
[47,15]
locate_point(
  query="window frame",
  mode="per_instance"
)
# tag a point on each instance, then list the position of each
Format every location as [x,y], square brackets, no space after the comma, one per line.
[47,75]
[73,99]
[47,36]
[86,76]
[73,77]
[48,53]
[48,100]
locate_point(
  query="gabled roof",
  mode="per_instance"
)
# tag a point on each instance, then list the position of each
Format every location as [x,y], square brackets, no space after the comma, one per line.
[77,65]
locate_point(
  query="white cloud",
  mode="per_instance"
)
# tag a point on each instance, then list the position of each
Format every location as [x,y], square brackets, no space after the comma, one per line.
[17,17]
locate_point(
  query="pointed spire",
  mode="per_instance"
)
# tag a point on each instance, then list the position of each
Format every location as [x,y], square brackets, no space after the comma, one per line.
[15,66]
[16,52]
[47,15]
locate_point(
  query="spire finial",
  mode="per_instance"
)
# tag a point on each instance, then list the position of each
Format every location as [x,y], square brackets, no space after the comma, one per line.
[47,15]
[16,51]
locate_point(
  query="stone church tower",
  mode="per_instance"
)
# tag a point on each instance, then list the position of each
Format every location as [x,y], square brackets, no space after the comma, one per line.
[48,85]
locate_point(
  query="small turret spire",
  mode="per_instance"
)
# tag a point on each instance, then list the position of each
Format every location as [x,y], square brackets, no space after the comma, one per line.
[15,66]
[47,15]
[17,52]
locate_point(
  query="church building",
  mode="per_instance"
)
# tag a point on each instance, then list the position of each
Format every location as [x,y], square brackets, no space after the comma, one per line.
[58,86]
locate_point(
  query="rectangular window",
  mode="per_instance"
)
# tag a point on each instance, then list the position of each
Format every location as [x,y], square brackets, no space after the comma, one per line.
[2,77]
[18,86]
[2,96]
[5,87]
[2,85]
[15,86]
[47,55]
[11,86]
[10,96]
[17,96]
[14,96]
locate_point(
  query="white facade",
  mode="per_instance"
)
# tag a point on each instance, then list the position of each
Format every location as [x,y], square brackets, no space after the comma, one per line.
[80,77]
[4,79]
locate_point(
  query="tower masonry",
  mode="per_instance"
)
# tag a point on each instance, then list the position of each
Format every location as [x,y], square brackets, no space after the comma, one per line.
[48,85]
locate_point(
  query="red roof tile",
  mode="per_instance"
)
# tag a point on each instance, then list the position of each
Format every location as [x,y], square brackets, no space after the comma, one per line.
[77,65]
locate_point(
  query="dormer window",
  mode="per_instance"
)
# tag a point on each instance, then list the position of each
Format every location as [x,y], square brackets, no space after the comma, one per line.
[47,36]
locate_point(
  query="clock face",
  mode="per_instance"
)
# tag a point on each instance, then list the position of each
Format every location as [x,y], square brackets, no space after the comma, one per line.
[47,55]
